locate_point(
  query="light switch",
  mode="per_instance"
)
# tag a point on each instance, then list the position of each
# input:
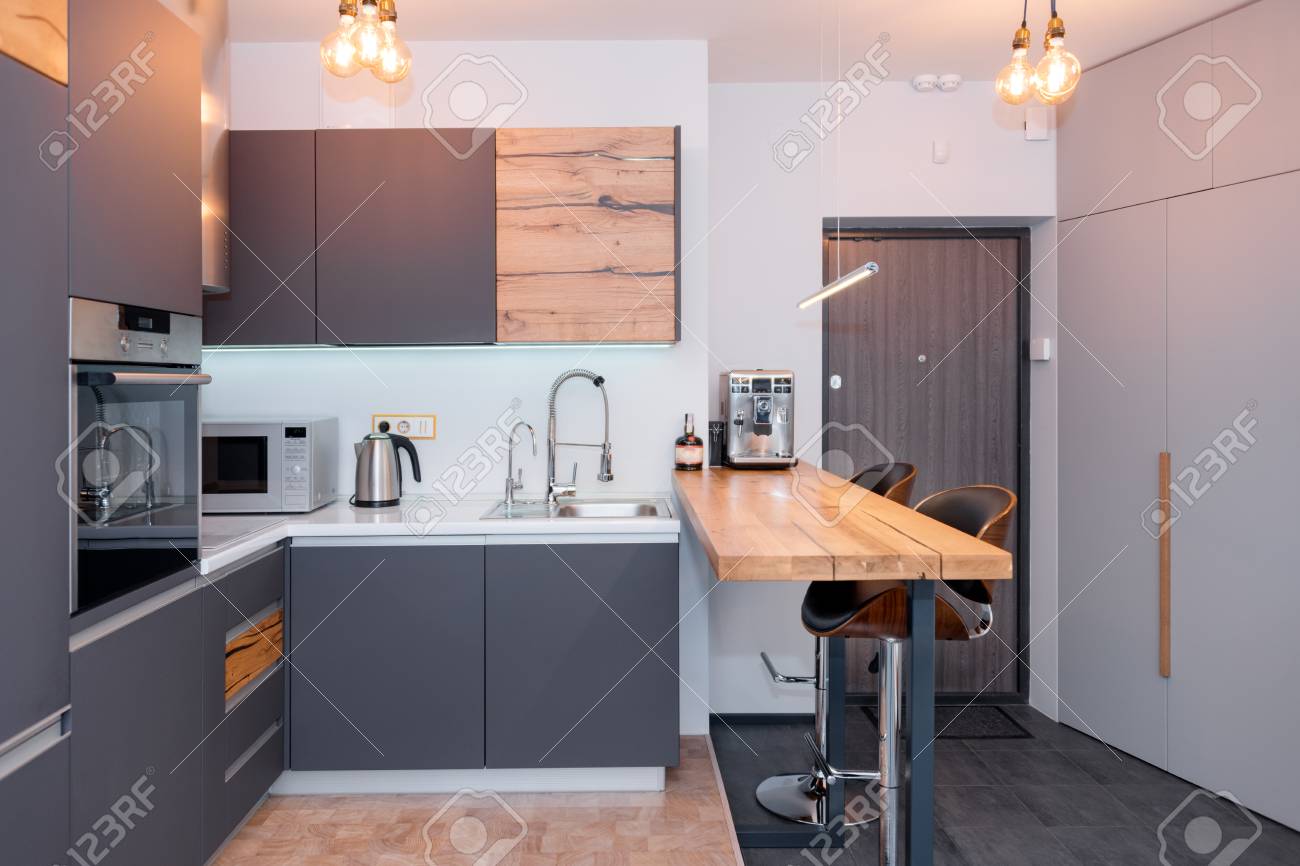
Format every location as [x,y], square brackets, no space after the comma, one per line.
[1038,123]
[1040,349]
[941,151]
[411,426]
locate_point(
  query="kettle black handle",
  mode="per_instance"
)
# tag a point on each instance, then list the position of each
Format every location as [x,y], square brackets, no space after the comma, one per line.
[401,443]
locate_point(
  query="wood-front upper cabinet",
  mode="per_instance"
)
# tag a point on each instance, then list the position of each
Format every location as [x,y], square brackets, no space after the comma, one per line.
[132,153]
[587,235]
[404,224]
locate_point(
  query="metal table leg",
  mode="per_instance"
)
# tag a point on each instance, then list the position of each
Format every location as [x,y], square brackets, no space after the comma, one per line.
[918,847]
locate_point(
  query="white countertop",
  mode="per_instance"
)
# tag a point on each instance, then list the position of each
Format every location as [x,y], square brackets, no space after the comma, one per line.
[228,538]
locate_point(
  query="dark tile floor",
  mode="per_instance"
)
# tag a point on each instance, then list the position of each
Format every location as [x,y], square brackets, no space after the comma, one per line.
[1058,798]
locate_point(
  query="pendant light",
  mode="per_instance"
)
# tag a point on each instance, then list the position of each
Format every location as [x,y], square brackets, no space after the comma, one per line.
[1059,71]
[862,272]
[857,275]
[337,53]
[366,37]
[1016,83]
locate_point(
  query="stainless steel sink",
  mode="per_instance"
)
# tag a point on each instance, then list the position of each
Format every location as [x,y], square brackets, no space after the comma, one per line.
[590,508]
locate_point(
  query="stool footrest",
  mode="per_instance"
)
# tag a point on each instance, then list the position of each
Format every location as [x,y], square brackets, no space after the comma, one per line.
[783,678]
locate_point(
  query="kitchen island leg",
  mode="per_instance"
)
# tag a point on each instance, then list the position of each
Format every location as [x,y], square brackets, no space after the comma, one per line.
[918,844]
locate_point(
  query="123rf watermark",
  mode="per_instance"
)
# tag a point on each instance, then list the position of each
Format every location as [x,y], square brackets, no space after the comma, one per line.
[109,829]
[463,476]
[1203,101]
[105,100]
[1195,480]
[825,115]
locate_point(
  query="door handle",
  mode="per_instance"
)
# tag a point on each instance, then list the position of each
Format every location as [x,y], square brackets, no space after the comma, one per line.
[1165,545]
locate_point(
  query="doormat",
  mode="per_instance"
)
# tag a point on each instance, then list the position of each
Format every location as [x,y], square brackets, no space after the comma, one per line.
[970,723]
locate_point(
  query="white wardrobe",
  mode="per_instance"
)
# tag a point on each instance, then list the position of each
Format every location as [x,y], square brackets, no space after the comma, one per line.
[1182,293]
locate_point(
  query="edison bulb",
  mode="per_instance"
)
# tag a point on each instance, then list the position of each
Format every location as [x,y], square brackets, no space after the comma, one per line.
[1058,73]
[394,57]
[368,35]
[337,52]
[1016,82]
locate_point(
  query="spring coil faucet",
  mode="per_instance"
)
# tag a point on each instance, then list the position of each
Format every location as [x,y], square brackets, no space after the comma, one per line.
[606,473]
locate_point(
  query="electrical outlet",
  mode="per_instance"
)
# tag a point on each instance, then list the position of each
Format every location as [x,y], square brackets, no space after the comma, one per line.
[408,425]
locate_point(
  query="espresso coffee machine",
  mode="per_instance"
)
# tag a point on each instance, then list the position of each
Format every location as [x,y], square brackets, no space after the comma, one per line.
[758,410]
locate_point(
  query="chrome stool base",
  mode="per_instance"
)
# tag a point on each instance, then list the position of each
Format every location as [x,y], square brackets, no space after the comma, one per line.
[794,796]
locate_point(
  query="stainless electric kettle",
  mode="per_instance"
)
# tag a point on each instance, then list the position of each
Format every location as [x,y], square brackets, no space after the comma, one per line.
[379,470]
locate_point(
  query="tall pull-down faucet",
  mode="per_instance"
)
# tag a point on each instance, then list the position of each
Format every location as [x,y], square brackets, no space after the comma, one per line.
[606,473]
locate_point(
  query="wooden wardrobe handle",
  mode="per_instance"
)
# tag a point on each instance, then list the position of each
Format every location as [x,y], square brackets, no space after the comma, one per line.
[1165,551]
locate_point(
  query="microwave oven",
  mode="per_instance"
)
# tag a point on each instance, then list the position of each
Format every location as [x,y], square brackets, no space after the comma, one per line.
[269,466]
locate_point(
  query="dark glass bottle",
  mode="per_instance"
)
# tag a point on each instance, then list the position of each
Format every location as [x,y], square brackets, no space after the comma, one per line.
[688,455]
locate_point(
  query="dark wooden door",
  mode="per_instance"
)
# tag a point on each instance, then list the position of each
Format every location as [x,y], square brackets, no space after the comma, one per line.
[570,679]
[33,337]
[392,680]
[134,78]
[407,234]
[927,357]
[273,221]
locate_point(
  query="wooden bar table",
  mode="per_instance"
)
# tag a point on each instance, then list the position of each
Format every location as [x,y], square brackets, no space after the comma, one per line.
[804,524]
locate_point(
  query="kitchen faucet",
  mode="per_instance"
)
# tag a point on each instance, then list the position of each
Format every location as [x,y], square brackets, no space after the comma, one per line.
[606,473]
[513,484]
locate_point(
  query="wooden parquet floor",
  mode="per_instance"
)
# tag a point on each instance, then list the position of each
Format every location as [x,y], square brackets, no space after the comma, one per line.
[687,824]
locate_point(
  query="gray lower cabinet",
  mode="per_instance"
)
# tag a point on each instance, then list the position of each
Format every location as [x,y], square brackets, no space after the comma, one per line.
[406,223]
[33,339]
[571,678]
[387,657]
[34,803]
[243,751]
[137,723]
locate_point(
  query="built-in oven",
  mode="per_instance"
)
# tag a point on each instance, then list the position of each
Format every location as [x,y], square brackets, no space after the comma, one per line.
[130,474]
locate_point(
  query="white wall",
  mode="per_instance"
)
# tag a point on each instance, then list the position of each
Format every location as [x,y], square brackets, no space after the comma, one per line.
[765,254]
[281,86]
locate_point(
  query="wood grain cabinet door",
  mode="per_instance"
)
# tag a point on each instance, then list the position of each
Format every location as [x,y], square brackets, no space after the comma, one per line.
[273,228]
[405,228]
[571,679]
[587,235]
[136,233]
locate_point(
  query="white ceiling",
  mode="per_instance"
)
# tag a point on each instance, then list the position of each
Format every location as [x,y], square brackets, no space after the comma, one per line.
[767,40]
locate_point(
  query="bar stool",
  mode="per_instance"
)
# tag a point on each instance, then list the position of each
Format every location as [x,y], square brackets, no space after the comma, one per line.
[878,610]
[891,480]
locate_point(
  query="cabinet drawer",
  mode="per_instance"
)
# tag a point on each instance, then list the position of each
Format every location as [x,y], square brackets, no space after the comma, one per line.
[34,802]
[253,716]
[253,588]
[254,777]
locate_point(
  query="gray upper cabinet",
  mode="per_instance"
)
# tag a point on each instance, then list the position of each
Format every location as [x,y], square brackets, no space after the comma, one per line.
[33,337]
[1112,430]
[1234,421]
[571,679]
[393,679]
[1114,145]
[138,725]
[273,227]
[407,237]
[1260,103]
[135,79]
